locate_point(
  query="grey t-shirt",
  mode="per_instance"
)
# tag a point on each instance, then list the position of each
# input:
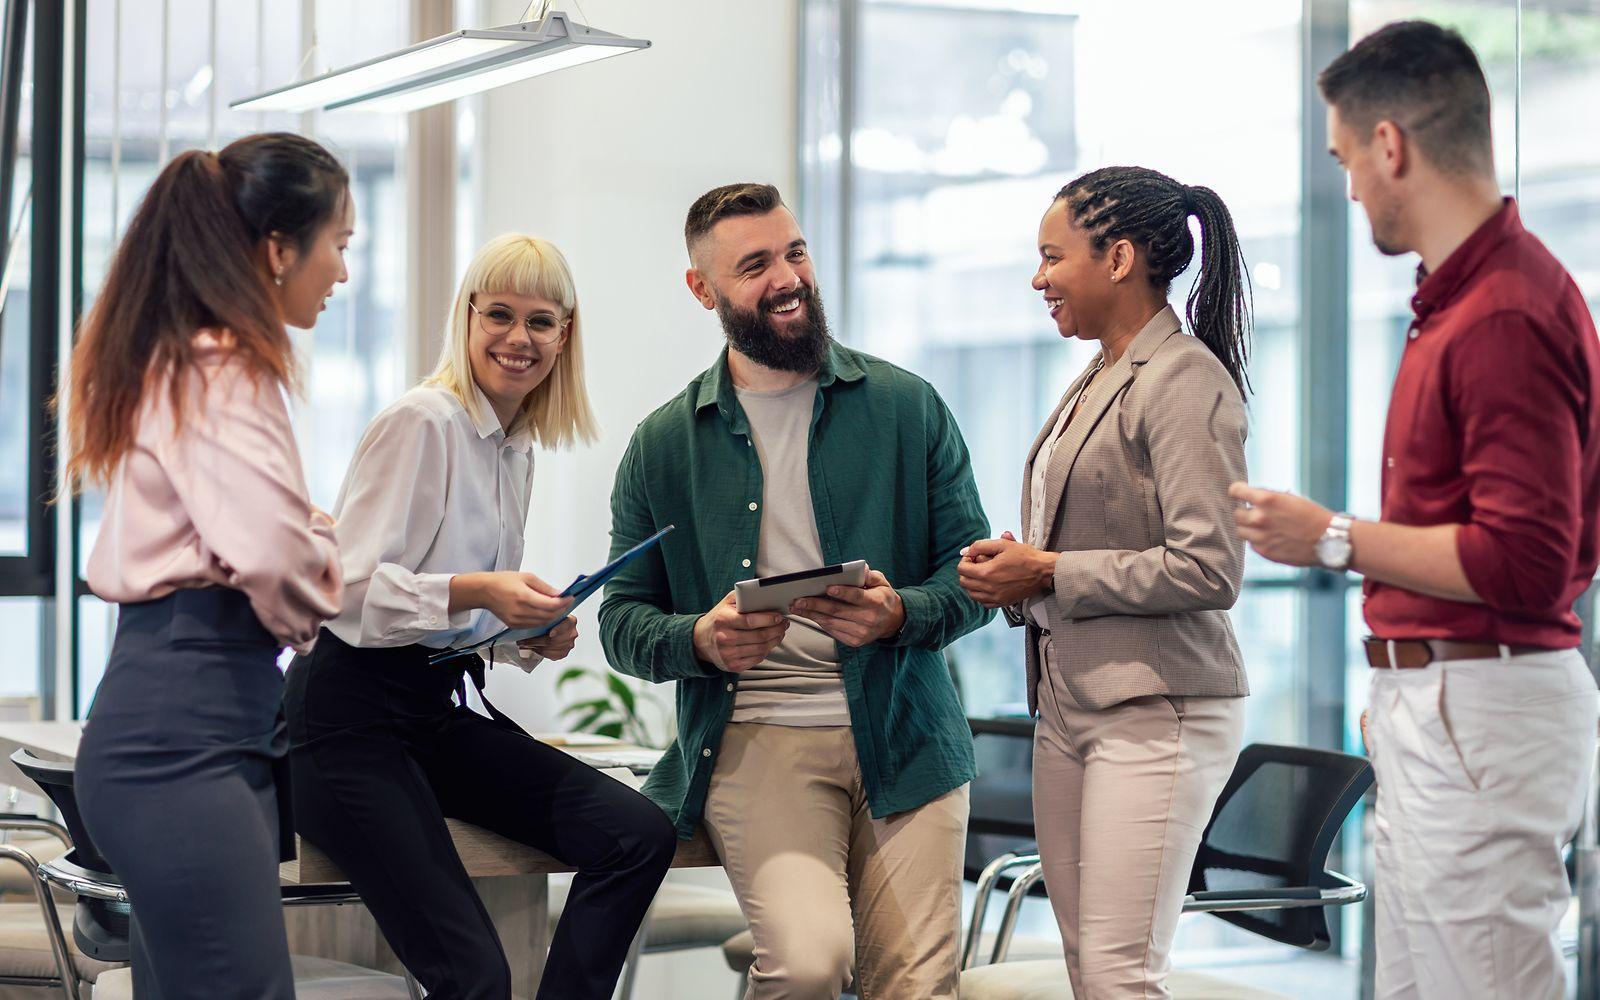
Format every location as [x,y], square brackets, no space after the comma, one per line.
[799,684]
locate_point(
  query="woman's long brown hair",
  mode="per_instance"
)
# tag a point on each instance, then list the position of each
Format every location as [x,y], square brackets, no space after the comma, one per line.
[192,258]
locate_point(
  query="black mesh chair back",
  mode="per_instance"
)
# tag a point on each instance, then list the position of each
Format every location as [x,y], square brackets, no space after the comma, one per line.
[99,926]
[1001,797]
[55,779]
[1271,831]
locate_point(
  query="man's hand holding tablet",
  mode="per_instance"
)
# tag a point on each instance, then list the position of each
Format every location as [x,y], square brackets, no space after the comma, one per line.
[732,641]
[857,616]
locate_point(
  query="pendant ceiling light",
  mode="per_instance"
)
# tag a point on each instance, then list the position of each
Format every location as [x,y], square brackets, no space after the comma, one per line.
[453,65]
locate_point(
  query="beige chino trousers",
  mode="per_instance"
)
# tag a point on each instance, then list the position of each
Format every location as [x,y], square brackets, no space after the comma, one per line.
[1120,799]
[822,883]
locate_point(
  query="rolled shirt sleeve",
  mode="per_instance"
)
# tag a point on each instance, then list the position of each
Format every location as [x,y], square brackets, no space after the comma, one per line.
[1520,405]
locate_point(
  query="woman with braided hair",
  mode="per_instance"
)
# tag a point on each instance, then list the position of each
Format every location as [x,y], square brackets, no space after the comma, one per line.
[1129,565]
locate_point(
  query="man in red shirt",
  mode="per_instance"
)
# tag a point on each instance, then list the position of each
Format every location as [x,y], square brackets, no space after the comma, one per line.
[1483,712]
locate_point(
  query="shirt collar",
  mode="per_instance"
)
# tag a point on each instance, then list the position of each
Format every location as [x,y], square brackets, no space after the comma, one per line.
[487,424]
[1436,289]
[716,386]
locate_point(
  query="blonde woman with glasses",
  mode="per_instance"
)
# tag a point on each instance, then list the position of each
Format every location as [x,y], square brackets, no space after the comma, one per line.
[430,523]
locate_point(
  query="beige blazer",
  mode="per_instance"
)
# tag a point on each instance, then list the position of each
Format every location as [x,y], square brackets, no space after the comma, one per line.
[1137,504]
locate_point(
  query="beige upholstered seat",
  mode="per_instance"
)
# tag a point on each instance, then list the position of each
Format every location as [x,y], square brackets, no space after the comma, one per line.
[684,916]
[1046,979]
[314,979]
[25,945]
[17,880]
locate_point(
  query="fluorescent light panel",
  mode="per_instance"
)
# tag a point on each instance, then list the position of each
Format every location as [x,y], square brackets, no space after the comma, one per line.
[450,66]
[496,75]
[375,74]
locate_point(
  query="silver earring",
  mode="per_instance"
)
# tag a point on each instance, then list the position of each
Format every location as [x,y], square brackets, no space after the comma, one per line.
[277,279]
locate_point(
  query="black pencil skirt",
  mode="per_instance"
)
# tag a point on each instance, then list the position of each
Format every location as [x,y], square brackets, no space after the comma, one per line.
[178,781]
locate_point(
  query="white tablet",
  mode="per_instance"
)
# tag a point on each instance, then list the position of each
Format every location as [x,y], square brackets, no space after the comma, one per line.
[776,593]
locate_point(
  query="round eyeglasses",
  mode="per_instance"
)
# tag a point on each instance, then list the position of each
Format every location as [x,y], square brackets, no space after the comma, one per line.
[542,326]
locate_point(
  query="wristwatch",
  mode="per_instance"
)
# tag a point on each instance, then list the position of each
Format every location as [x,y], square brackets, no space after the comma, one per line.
[1333,548]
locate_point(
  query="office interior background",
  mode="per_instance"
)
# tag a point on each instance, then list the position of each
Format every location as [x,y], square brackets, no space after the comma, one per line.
[919,141]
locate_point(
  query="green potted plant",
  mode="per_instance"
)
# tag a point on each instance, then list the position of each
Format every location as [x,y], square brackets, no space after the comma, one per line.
[612,708]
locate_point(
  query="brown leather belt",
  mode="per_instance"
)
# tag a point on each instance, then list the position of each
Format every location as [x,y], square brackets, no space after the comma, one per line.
[1414,654]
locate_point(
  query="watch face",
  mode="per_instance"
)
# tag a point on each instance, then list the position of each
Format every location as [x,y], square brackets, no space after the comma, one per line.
[1333,553]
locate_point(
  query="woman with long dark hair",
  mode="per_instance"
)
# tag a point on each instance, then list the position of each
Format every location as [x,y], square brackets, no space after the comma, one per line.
[1128,567]
[210,547]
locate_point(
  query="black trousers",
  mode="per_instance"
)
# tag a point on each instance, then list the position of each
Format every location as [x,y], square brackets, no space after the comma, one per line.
[380,756]
[176,778]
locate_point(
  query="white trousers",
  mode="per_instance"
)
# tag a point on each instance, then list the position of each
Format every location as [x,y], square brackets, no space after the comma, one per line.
[1482,767]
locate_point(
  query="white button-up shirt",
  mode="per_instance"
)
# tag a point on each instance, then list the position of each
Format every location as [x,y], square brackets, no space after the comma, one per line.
[432,492]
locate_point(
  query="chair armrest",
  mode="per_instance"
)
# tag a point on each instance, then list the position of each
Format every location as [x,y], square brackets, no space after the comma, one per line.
[980,900]
[82,881]
[1285,898]
[1020,887]
[35,824]
[52,920]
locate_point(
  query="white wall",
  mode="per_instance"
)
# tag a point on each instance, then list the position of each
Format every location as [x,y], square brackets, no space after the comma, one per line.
[604,160]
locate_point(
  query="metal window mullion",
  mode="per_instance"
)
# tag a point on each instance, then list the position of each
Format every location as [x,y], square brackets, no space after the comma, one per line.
[211,91]
[1324,377]
[116,119]
[163,139]
[849,55]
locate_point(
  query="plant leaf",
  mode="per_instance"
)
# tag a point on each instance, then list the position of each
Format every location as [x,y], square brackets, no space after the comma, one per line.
[623,692]
[589,720]
[611,729]
[600,704]
[570,674]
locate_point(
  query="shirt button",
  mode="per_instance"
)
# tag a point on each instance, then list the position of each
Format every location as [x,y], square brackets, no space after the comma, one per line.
[730,687]
[754,505]
[1389,462]
[745,564]
[706,752]
[433,619]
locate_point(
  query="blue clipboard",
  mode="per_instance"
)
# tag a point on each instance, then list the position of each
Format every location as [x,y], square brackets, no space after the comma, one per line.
[579,590]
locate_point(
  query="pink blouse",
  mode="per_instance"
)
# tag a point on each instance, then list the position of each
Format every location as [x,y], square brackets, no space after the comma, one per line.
[221,502]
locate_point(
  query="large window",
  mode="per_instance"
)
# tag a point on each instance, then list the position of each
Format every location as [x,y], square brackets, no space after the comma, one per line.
[934,133]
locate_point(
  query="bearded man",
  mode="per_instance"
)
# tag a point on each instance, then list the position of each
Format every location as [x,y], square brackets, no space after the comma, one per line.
[824,750]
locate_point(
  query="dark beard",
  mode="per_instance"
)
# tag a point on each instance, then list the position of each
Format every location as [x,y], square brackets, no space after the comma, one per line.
[753,334]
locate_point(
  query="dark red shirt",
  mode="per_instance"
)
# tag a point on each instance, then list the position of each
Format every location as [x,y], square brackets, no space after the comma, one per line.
[1494,425]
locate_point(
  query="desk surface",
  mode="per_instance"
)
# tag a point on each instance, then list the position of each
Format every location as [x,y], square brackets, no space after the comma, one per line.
[483,853]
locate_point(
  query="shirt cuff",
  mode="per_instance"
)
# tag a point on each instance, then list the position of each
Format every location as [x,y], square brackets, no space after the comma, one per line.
[433,604]
[679,639]
[920,608]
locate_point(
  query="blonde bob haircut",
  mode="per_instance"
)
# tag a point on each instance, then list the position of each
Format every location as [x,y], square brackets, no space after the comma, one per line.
[557,412]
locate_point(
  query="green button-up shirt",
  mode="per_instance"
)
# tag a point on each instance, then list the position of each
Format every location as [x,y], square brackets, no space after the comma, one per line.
[890,483]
